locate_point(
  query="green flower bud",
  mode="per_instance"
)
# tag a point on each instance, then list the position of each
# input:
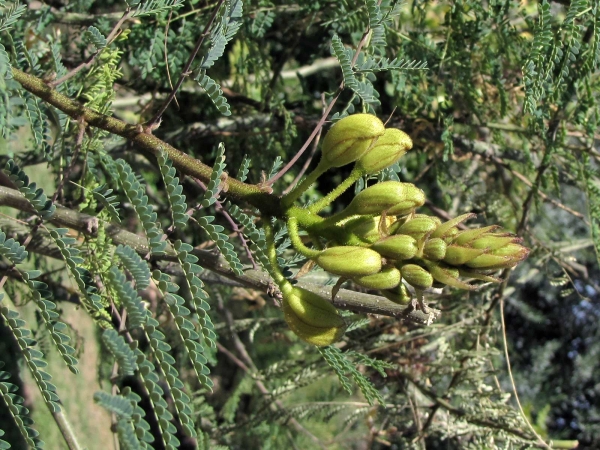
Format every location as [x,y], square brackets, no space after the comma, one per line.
[434,249]
[388,149]
[313,309]
[418,226]
[416,276]
[387,278]
[494,241]
[446,229]
[447,275]
[368,229]
[456,255]
[349,261]
[489,261]
[413,198]
[466,236]
[350,138]
[398,295]
[396,247]
[310,320]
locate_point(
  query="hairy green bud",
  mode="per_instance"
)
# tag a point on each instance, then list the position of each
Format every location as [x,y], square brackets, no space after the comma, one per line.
[349,261]
[398,295]
[368,229]
[392,197]
[396,247]
[434,249]
[449,228]
[388,149]
[447,275]
[387,278]
[456,255]
[416,276]
[418,226]
[350,138]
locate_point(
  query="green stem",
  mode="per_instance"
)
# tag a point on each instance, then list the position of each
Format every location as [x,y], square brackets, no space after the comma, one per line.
[288,199]
[293,231]
[339,190]
[275,272]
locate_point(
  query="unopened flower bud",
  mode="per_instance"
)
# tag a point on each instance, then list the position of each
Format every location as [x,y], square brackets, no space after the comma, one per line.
[398,295]
[368,229]
[388,149]
[447,275]
[418,227]
[349,261]
[457,255]
[489,261]
[434,249]
[350,138]
[416,276]
[396,247]
[449,227]
[494,241]
[466,236]
[388,196]
[387,278]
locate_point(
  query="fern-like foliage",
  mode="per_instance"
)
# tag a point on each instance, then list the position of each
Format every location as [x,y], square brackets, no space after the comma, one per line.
[93,36]
[123,354]
[174,191]
[137,267]
[135,193]
[35,195]
[214,91]
[137,315]
[11,15]
[223,31]
[153,7]
[342,366]
[82,276]
[11,249]
[102,194]
[214,185]
[43,299]
[33,357]
[20,413]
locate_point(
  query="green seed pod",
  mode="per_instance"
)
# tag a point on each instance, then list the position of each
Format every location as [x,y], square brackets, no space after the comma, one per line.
[349,261]
[416,276]
[314,334]
[418,227]
[444,229]
[456,255]
[447,275]
[388,278]
[388,149]
[385,197]
[396,247]
[398,295]
[434,249]
[350,138]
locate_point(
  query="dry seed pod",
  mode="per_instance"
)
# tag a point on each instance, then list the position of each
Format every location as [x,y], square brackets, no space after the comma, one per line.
[350,138]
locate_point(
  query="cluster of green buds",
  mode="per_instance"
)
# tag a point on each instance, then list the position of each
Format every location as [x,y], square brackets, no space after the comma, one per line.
[379,241]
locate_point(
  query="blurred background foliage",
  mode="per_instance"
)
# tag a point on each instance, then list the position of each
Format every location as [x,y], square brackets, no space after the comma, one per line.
[501,100]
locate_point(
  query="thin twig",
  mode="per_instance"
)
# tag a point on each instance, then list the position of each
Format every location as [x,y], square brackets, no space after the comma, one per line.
[78,143]
[90,61]
[186,69]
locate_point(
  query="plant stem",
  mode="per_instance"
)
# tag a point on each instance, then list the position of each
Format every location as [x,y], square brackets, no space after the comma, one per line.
[292,225]
[288,199]
[339,190]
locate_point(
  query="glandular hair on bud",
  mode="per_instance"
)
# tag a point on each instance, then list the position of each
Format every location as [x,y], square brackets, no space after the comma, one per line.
[387,196]
[350,138]
[397,247]
[349,261]
[388,149]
